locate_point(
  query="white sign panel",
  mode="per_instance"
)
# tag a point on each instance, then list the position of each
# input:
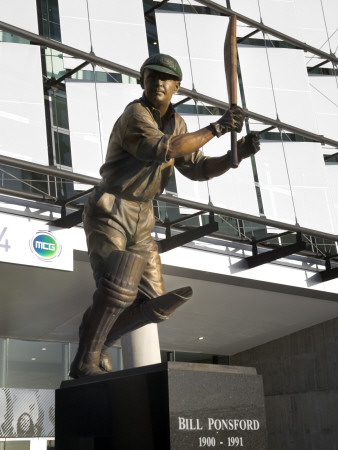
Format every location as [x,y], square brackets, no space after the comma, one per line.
[34,243]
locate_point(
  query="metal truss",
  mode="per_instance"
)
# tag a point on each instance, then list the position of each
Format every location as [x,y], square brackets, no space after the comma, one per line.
[192,94]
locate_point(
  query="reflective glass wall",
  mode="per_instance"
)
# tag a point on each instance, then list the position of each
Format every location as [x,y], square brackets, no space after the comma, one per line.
[39,365]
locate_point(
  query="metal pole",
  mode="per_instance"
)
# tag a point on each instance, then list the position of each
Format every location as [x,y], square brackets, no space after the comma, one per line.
[4,361]
[65,360]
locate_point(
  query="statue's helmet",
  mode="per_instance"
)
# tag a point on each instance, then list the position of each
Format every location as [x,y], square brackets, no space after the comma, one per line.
[162,63]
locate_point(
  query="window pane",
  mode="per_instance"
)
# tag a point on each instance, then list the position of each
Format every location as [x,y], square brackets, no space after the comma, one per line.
[60,114]
[34,365]
[23,180]
[62,149]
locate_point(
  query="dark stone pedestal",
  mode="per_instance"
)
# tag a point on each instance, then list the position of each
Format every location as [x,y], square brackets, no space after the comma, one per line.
[168,406]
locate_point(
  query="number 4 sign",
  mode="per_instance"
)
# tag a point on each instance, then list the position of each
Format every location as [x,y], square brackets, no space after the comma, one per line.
[4,243]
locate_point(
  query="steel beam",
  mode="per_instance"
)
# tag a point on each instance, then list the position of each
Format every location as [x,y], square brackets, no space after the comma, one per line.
[329,274]
[187,236]
[70,220]
[276,253]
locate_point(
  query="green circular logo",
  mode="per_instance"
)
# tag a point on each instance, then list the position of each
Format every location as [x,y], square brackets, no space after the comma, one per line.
[45,246]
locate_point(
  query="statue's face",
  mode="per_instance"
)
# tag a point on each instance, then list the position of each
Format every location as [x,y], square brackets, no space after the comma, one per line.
[159,87]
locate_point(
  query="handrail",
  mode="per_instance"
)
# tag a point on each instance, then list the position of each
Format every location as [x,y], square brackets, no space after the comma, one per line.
[76,177]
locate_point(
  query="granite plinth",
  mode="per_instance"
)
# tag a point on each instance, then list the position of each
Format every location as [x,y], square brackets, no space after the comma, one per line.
[168,406]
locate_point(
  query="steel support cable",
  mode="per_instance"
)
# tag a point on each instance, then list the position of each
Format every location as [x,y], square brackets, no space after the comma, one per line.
[92,58]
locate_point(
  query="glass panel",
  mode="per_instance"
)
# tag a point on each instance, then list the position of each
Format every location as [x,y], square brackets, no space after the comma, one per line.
[254,230]
[116,22]
[234,190]
[60,113]
[34,365]
[50,19]
[248,8]
[112,100]
[62,149]
[88,136]
[84,128]
[310,186]
[324,94]
[65,188]
[311,22]
[74,16]
[280,15]
[20,13]
[188,189]
[292,195]
[226,225]
[275,86]
[22,109]
[196,54]
[54,63]
[274,182]
[109,22]
[8,37]
[332,175]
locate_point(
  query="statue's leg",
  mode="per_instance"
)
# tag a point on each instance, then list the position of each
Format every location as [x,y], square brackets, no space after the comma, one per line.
[156,306]
[105,361]
[154,310]
[104,235]
[116,290]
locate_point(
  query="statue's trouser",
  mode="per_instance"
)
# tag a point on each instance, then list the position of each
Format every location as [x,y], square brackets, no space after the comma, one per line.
[112,223]
[116,291]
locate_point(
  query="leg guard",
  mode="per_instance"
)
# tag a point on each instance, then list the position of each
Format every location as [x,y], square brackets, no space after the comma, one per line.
[116,291]
[153,310]
[105,361]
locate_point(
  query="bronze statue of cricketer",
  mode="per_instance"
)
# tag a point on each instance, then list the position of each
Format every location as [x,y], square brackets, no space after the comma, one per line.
[147,142]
